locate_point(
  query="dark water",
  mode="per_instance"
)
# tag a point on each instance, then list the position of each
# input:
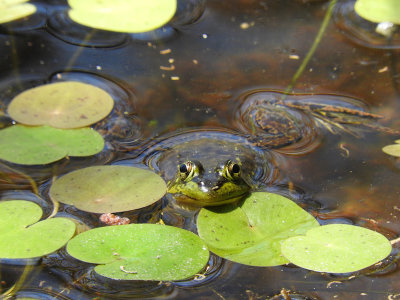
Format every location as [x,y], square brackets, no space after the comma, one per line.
[217,62]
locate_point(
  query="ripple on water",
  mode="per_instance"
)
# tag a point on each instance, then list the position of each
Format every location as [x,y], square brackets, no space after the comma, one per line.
[121,129]
[210,146]
[270,124]
[188,12]
[294,124]
[362,31]
[31,22]
[60,25]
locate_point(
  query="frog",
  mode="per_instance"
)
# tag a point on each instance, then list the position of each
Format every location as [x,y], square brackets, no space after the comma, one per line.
[211,167]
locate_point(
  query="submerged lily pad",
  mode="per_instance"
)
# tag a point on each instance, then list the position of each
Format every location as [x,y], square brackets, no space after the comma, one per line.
[141,252]
[17,240]
[43,144]
[337,248]
[393,150]
[11,10]
[122,15]
[107,189]
[379,10]
[252,232]
[67,104]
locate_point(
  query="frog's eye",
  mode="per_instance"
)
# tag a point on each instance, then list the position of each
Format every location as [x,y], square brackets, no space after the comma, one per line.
[186,170]
[231,170]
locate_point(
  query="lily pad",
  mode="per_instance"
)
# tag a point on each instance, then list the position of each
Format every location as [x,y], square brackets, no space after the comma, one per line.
[393,150]
[69,104]
[11,10]
[379,10]
[43,144]
[17,240]
[141,252]
[122,15]
[252,232]
[108,189]
[337,248]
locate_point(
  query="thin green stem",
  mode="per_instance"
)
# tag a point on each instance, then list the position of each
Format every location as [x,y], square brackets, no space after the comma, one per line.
[314,46]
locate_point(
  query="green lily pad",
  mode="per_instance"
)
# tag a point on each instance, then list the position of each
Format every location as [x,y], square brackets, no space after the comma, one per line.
[141,252]
[252,233]
[17,240]
[122,15]
[67,104]
[108,189]
[11,10]
[43,144]
[379,10]
[393,150]
[337,248]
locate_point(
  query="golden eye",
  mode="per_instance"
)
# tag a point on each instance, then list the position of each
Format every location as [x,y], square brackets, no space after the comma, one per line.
[232,170]
[186,170]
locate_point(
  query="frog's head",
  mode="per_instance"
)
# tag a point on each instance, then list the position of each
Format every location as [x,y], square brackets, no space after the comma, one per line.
[220,184]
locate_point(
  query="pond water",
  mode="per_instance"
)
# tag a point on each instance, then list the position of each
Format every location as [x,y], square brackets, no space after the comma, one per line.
[204,72]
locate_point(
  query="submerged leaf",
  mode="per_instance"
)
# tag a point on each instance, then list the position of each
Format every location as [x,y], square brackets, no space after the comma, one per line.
[67,104]
[107,189]
[379,10]
[19,241]
[337,248]
[122,15]
[42,145]
[141,252]
[252,232]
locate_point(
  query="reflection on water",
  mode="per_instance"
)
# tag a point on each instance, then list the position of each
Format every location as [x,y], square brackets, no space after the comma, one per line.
[197,87]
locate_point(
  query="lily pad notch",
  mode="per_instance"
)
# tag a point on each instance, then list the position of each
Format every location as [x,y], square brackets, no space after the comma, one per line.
[22,236]
[141,252]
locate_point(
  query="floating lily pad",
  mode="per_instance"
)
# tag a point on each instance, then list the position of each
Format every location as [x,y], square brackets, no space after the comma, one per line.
[107,189]
[67,104]
[252,233]
[379,10]
[141,252]
[17,240]
[393,150]
[11,10]
[337,248]
[43,144]
[122,15]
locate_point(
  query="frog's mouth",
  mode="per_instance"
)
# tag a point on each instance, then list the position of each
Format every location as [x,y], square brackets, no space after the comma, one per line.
[181,198]
[209,198]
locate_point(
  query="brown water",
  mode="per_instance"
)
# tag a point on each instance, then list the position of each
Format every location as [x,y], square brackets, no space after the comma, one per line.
[217,63]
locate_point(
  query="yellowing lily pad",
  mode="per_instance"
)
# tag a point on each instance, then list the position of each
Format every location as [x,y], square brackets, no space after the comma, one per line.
[107,189]
[393,150]
[11,10]
[379,10]
[17,240]
[122,15]
[337,248]
[42,145]
[67,104]
[141,252]
[252,232]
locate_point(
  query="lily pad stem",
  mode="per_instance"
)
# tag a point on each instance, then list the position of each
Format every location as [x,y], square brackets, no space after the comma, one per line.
[15,288]
[314,46]
[30,179]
